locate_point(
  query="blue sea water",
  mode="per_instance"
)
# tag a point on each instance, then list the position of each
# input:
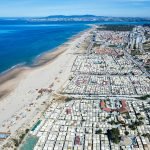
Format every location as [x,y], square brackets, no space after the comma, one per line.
[21,42]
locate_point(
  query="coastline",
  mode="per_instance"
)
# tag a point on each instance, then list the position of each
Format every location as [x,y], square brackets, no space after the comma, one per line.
[22,105]
[11,77]
[49,55]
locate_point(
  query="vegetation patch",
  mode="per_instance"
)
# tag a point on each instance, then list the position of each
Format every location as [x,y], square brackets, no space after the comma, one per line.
[18,141]
[135,52]
[135,124]
[147,135]
[116,27]
[68,99]
[145,97]
[98,131]
[114,135]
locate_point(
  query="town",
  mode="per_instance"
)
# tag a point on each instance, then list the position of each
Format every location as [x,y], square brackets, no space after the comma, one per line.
[105,102]
[92,119]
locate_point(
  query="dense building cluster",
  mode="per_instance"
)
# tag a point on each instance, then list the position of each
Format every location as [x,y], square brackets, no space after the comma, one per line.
[104,109]
[108,85]
[87,124]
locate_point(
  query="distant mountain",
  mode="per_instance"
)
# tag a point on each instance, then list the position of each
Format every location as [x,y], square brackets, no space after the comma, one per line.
[80,18]
[72,16]
[87,18]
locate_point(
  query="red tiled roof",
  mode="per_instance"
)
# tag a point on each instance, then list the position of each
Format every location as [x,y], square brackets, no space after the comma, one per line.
[77,140]
[124,104]
[107,109]
[123,110]
[68,111]
[102,104]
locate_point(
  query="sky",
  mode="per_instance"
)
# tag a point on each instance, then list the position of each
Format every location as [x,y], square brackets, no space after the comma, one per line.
[33,8]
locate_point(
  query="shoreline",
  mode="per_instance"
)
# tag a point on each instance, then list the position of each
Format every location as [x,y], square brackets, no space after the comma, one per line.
[41,55]
[22,102]
[10,76]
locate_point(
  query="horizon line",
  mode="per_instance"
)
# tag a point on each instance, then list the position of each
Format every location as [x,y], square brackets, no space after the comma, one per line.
[74,15]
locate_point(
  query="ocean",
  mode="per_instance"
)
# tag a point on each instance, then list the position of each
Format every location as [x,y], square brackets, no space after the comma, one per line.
[22,42]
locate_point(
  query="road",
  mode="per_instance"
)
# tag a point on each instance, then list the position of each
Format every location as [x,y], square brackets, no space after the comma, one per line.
[137,63]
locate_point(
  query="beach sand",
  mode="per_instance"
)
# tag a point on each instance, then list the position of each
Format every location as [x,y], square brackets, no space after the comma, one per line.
[21,100]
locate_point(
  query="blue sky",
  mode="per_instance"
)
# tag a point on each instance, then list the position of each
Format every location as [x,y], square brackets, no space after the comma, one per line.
[134,8]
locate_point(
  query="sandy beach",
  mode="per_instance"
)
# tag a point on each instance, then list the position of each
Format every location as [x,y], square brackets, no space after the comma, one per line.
[26,91]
